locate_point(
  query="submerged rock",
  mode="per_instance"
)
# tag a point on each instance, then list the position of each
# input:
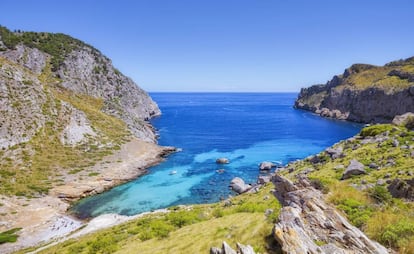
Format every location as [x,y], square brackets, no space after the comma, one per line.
[222,161]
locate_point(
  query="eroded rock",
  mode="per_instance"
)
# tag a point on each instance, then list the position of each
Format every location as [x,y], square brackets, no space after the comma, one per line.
[355,168]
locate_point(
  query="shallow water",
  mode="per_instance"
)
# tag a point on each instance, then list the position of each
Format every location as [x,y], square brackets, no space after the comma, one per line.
[246,128]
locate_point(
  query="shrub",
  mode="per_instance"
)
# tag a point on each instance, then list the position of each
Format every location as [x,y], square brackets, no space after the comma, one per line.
[380,194]
[357,212]
[374,130]
[9,236]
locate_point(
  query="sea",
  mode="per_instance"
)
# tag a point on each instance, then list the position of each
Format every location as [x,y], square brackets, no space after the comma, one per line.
[246,128]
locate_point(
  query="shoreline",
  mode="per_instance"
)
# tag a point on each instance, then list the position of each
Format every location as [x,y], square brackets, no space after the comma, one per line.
[46,218]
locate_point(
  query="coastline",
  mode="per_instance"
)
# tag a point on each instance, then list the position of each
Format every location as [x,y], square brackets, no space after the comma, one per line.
[44,219]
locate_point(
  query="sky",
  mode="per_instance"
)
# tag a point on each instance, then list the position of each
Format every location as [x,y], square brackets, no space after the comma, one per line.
[227,45]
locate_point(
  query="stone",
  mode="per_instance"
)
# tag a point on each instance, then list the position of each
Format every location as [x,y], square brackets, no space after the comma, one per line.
[244,249]
[373,165]
[215,250]
[222,161]
[226,249]
[268,212]
[387,175]
[266,166]
[400,172]
[263,179]
[406,120]
[380,182]
[238,185]
[335,153]
[354,168]
[306,218]
[395,143]
[400,188]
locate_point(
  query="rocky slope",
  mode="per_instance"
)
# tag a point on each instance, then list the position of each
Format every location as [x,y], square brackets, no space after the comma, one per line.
[364,93]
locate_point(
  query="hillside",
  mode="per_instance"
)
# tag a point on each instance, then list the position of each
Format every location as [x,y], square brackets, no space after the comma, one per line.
[65,114]
[364,93]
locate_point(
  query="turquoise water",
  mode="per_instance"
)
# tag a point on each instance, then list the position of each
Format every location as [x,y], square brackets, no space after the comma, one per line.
[246,128]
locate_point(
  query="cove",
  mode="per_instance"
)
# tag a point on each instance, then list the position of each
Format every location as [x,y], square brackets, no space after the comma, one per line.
[247,128]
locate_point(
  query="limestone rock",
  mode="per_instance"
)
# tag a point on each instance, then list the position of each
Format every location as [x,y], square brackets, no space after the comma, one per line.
[306,218]
[226,249]
[355,168]
[238,185]
[406,120]
[266,165]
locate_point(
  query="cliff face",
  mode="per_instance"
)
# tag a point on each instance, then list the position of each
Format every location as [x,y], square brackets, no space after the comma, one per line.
[364,93]
[63,106]
[74,66]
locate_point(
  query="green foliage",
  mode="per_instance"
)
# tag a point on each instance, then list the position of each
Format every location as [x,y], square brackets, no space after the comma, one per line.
[57,45]
[9,236]
[380,194]
[375,130]
[357,212]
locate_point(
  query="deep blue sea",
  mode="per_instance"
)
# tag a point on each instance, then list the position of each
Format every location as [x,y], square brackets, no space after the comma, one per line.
[247,128]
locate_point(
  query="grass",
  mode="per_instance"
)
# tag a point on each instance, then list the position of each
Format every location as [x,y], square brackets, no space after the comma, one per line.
[9,236]
[383,218]
[187,230]
[44,158]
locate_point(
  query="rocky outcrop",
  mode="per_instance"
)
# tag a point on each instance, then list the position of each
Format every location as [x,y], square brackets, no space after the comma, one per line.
[354,168]
[307,224]
[266,166]
[363,93]
[80,68]
[402,189]
[406,120]
[226,249]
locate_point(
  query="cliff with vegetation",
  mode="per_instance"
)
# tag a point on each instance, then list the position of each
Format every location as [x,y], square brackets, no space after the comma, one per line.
[64,111]
[364,93]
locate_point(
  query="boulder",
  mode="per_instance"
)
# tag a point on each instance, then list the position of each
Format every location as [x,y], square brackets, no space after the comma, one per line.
[355,168]
[402,189]
[238,185]
[266,165]
[263,179]
[406,120]
[222,161]
[335,153]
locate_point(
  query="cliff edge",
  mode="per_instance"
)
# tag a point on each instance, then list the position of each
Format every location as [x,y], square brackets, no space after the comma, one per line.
[363,93]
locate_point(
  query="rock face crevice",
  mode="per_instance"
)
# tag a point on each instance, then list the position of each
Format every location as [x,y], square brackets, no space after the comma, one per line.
[307,224]
[363,93]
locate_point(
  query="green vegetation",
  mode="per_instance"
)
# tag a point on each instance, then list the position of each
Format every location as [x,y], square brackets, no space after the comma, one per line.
[9,236]
[186,229]
[385,219]
[38,164]
[57,45]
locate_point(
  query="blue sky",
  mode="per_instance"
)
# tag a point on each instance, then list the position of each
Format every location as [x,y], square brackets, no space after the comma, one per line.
[224,45]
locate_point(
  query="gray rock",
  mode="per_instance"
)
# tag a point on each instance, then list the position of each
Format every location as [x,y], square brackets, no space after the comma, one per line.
[373,165]
[244,249]
[406,120]
[268,212]
[338,167]
[239,186]
[400,172]
[263,179]
[335,153]
[354,168]
[215,250]
[306,218]
[402,189]
[222,161]
[226,249]
[395,143]
[380,182]
[387,175]
[266,165]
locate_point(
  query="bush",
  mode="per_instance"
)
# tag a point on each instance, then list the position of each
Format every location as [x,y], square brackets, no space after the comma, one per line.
[357,212]
[9,236]
[380,194]
[374,130]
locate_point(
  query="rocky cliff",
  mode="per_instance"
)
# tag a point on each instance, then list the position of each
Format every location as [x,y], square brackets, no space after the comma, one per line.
[63,106]
[364,93]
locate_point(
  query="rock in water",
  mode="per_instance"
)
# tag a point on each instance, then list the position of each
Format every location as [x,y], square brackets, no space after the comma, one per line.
[239,186]
[222,161]
[355,168]
[306,219]
[266,165]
